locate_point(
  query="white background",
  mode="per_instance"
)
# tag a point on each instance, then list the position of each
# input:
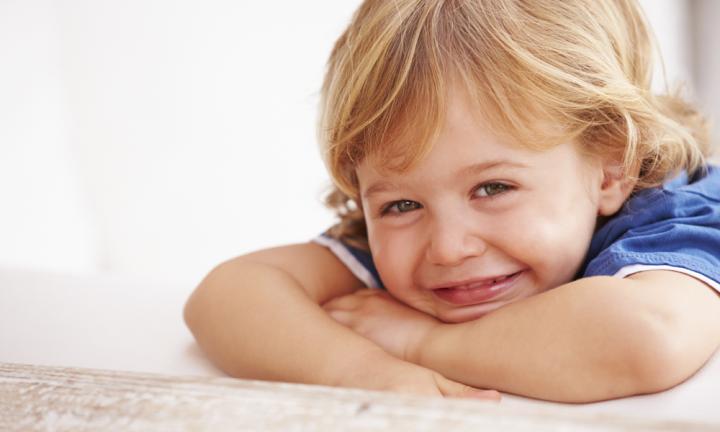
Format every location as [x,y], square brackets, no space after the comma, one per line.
[156,138]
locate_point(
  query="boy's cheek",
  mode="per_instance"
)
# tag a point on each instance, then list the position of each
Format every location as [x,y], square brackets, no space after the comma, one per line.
[391,270]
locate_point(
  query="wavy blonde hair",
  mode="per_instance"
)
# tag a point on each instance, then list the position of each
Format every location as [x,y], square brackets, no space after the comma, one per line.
[583,65]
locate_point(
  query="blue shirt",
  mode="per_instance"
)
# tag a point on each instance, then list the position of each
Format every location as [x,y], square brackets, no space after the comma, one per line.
[676,226]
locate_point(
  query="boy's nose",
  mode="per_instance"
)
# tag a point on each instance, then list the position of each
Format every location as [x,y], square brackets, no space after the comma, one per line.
[452,242]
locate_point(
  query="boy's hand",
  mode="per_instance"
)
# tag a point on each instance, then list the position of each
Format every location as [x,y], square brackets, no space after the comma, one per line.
[416,379]
[375,314]
[379,370]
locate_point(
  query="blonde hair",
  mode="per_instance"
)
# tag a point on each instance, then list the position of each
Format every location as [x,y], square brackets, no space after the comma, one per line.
[582,65]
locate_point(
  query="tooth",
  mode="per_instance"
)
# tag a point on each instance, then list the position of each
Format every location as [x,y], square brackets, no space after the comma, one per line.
[500,279]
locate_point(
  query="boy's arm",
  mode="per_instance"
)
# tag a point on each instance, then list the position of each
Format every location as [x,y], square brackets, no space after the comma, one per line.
[593,339]
[258,316]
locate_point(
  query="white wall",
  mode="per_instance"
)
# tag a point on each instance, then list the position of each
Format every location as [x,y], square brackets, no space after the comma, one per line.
[706,61]
[689,38]
[670,21]
[191,127]
[44,219]
[159,137]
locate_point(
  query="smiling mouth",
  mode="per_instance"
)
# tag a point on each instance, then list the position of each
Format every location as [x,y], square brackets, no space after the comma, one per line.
[477,292]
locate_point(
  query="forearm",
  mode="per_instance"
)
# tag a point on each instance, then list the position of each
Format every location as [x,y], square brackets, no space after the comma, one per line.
[589,340]
[256,322]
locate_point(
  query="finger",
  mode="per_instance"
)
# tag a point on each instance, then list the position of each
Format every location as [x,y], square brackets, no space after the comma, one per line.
[453,389]
[369,292]
[354,300]
[363,291]
[467,392]
[473,393]
[343,317]
[348,302]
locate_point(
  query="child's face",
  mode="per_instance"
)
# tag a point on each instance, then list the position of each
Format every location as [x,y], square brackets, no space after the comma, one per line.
[479,223]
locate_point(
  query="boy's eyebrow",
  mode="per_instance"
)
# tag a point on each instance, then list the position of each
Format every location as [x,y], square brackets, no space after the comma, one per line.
[474,169]
[484,166]
[381,186]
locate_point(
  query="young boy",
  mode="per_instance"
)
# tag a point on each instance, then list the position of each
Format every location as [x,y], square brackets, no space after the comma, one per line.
[499,169]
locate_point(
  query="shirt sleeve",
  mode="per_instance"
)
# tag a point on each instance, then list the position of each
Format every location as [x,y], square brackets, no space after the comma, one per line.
[638,268]
[358,261]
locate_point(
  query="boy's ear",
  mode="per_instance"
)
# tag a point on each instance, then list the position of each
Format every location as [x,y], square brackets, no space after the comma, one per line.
[615,189]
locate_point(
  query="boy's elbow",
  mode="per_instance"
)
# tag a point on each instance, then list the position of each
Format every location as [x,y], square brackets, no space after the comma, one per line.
[189,312]
[658,366]
[671,329]
[197,304]
[192,311]
[662,335]
[667,356]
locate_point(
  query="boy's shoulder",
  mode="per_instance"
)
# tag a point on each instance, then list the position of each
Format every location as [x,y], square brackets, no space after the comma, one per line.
[676,225]
[673,199]
[705,183]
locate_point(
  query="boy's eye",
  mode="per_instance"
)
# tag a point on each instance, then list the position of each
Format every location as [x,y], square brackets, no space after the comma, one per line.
[402,206]
[491,189]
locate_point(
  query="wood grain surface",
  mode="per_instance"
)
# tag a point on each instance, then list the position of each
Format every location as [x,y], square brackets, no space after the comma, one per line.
[40,398]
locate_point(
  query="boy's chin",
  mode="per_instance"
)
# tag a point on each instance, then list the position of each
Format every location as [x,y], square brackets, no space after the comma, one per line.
[463,314]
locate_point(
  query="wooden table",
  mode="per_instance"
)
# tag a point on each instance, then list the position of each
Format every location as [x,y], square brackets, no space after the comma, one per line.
[40,398]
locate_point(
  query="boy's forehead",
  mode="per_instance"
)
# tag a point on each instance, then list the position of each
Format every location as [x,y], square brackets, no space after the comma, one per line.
[386,163]
[372,168]
[376,175]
